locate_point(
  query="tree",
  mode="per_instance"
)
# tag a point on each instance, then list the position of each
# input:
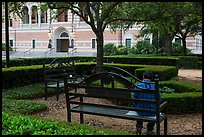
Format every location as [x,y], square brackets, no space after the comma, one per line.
[99,16]
[182,18]
[191,23]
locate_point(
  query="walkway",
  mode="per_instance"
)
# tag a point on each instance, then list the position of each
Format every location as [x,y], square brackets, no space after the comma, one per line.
[193,74]
[20,54]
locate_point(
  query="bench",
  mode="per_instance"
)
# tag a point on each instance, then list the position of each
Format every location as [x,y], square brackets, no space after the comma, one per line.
[54,74]
[109,82]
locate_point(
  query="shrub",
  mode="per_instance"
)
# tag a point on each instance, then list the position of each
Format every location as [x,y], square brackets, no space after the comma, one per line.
[20,76]
[177,49]
[4,47]
[183,103]
[144,47]
[122,50]
[181,87]
[109,49]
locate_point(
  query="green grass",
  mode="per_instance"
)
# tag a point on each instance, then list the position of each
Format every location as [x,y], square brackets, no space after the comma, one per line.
[22,106]
[27,92]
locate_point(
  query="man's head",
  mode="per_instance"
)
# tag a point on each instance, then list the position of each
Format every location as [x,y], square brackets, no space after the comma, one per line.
[148,75]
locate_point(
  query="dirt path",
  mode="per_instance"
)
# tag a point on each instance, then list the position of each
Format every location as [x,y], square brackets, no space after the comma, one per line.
[189,124]
[192,74]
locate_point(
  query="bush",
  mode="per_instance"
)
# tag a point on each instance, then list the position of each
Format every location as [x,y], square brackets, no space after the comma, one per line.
[188,62]
[144,47]
[20,76]
[183,103]
[109,49]
[177,49]
[122,50]
[4,47]
[181,87]
[25,75]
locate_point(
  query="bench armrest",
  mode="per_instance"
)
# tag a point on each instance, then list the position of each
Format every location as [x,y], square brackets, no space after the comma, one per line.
[163,104]
[53,80]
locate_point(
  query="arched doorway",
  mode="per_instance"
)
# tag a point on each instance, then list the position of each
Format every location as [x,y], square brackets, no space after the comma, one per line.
[63,42]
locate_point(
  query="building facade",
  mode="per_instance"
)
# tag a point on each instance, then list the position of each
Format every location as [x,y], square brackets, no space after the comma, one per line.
[37,31]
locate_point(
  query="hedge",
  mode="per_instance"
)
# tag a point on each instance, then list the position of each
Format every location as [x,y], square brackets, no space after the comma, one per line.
[179,61]
[25,75]
[182,103]
[181,87]
[20,76]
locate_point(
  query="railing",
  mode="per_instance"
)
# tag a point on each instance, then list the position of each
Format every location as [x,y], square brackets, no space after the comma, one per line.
[74,50]
[28,51]
[48,51]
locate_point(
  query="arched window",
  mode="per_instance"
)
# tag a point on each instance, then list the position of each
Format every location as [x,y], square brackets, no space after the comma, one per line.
[34,15]
[63,16]
[64,34]
[33,43]
[25,15]
[43,16]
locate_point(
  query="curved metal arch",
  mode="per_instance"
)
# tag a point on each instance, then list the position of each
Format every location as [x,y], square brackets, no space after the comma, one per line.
[109,74]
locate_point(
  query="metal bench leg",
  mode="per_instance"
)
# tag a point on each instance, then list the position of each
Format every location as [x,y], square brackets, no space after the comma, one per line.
[81,114]
[45,91]
[81,118]
[68,107]
[165,126]
[57,91]
[158,128]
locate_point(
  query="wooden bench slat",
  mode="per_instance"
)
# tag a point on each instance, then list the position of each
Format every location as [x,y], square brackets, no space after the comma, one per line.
[111,112]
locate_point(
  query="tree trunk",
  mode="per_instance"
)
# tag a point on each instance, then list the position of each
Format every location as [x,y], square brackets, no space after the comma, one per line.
[7,35]
[184,45]
[168,45]
[100,41]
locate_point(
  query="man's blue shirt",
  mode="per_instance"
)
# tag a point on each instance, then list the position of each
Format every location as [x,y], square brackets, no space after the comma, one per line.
[149,96]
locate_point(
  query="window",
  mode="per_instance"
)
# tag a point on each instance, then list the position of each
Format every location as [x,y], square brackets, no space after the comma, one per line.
[44,17]
[25,15]
[178,40]
[10,23]
[63,16]
[93,43]
[34,43]
[66,18]
[128,42]
[34,15]
[147,39]
[64,34]
[11,43]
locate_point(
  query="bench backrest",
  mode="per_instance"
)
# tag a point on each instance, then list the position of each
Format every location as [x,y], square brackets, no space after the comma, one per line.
[58,69]
[113,84]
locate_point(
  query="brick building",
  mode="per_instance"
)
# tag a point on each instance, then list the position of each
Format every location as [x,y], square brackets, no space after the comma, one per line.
[68,31]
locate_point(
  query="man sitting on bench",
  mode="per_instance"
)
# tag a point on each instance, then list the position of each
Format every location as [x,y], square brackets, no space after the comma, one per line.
[147,77]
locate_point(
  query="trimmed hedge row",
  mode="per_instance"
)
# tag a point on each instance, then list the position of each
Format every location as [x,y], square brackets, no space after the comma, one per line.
[178,103]
[25,75]
[179,61]
[183,103]
[181,87]
[20,76]
[144,60]
[189,62]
